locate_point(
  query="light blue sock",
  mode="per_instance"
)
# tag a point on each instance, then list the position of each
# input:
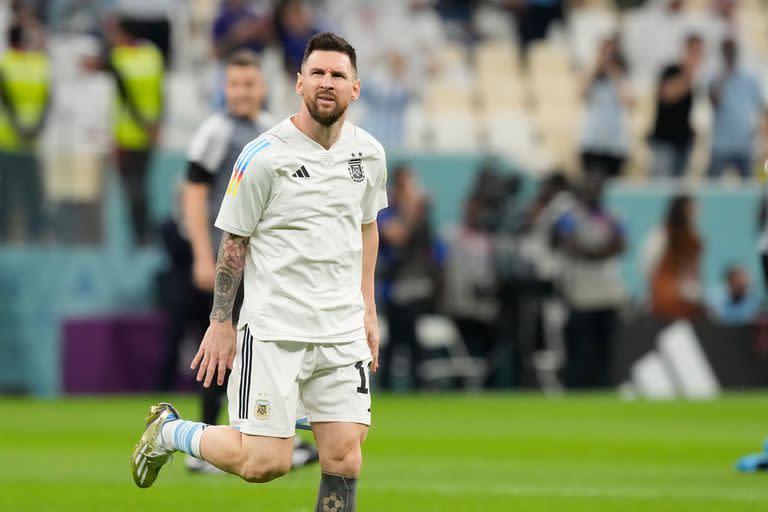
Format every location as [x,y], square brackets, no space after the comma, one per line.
[183,436]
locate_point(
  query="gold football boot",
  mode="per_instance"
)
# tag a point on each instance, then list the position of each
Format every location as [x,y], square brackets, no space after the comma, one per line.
[149,455]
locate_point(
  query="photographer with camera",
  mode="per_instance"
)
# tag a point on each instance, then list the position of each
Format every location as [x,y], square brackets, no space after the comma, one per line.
[591,241]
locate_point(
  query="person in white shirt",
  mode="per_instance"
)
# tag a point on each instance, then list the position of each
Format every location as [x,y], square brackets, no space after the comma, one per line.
[299,218]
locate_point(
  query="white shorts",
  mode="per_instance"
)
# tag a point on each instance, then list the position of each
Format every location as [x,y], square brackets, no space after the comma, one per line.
[273,383]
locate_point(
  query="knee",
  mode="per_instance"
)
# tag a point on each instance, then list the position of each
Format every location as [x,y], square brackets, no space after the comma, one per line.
[263,470]
[344,462]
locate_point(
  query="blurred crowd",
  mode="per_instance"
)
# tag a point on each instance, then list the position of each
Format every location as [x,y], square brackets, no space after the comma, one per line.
[546,83]
[534,287]
[599,89]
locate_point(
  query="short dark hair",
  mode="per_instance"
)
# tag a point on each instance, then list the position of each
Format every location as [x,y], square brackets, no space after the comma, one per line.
[244,58]
[15,35]
[129,26]
[330,42]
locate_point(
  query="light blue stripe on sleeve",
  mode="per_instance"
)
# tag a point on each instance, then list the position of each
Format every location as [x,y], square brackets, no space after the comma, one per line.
[252,153]
[248,151]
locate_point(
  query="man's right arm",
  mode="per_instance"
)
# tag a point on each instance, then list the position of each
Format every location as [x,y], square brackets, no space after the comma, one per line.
[229,272]
[218,348]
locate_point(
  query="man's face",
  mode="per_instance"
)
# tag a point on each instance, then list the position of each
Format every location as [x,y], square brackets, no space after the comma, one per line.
[694,52]
[244,91]
[328,84]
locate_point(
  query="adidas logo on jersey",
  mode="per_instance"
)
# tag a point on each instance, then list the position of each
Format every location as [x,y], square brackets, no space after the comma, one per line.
[301,173]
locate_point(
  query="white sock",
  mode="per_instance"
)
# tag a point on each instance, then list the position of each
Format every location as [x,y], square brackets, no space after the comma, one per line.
[183,436]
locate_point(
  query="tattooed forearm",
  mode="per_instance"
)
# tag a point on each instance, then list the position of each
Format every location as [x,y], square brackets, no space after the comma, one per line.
[229,270]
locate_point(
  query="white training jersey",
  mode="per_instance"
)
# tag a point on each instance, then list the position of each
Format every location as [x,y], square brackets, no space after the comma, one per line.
[302,207]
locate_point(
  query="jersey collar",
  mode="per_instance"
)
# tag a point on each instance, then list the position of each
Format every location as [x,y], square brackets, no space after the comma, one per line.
[346,131]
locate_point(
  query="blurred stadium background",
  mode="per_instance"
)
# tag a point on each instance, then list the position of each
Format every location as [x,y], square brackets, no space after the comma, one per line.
[496,115]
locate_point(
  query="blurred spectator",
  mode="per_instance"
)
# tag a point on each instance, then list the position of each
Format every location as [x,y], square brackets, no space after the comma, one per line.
[738,100]
[25,97]
[137,67]
[605,136]
[295,27]
[29,16]
[242,24]
[591,240]
[673,256]
[387,95]
[472,288]
[672,136]
[735,302]
[553,201]
[407,269]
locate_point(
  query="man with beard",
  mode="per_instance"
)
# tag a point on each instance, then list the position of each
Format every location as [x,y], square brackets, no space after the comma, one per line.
[299,222]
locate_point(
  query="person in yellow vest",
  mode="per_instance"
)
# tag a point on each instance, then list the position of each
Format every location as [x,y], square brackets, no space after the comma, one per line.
[137,66]
[25,95]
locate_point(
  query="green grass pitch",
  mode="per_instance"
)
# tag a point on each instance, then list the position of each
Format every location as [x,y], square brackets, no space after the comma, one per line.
[425,453]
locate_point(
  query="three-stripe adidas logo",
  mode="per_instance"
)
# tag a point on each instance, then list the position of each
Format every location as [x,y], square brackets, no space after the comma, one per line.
[301,173]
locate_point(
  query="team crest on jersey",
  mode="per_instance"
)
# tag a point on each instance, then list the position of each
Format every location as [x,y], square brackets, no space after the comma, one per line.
[356,171]
[262,409]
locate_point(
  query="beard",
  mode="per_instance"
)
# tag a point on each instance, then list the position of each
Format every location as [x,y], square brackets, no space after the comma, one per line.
[325,118]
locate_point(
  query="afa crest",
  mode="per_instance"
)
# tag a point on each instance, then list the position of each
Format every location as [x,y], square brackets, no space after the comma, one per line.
[262,409]
[356,171]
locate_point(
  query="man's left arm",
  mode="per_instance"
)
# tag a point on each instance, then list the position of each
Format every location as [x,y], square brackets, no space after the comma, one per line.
[370,233]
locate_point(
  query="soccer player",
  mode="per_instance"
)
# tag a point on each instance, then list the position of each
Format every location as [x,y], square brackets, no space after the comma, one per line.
[299,222]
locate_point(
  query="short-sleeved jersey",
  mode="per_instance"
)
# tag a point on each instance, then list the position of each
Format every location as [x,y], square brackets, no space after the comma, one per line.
[302,207]
[212,153]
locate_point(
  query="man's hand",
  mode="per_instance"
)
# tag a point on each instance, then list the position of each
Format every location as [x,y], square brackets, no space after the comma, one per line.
[204,274]
[217,352]
[371,322]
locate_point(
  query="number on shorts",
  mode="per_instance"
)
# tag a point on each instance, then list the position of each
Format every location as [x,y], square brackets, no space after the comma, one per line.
[362,389]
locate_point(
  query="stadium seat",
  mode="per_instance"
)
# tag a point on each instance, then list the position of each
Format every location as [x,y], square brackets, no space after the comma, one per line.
[416,128]
[453,132]
[555,91]
[560,137]
[448,97]
[546,58]
[496,57]
[436,332]
[511,135]
[501,93]
[452,56]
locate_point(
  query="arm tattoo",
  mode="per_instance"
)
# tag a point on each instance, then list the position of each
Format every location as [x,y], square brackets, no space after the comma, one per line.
[229,270]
